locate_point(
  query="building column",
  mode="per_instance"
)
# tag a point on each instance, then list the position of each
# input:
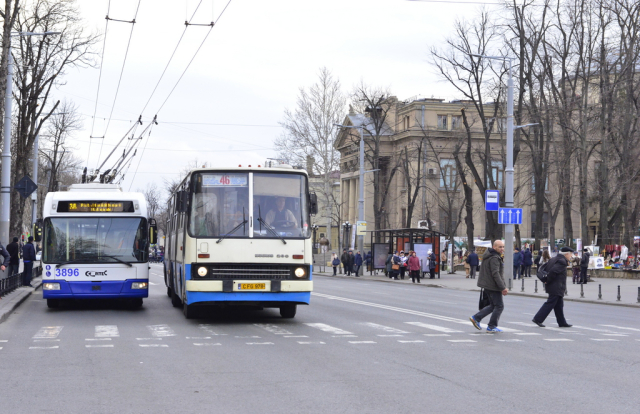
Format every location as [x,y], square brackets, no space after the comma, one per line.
[353,201]
[344,195]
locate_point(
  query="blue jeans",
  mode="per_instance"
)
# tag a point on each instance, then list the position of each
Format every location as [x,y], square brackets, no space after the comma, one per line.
[495,308]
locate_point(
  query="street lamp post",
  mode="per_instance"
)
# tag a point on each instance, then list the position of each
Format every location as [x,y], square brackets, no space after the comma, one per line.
[5,174]
[361,172]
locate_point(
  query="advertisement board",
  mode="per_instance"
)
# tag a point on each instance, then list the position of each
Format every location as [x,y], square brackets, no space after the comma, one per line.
[380,253]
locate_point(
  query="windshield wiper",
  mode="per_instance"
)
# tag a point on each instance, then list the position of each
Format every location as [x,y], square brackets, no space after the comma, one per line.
[245,221]
[116,259]
[75,261]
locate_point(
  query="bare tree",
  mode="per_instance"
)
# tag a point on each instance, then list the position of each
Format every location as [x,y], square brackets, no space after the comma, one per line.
[9,15]
[310,135]
[41,62]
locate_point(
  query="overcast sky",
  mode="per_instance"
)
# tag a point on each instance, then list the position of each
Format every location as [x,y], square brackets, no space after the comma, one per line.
[226,109]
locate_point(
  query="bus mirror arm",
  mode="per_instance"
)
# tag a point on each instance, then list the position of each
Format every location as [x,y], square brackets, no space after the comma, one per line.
[313,204]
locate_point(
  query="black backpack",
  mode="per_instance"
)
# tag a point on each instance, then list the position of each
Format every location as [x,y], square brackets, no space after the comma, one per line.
[543,274]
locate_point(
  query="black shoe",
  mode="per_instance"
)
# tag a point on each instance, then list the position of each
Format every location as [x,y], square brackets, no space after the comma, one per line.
[537,323]
[565,326]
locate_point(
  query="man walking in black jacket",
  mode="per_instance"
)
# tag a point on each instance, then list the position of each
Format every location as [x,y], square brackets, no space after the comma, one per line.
[28,257]
[556,285]
[491,279]
[584,264]
[14,253]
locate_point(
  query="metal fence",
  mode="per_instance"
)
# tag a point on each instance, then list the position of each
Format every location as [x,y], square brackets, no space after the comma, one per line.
[11,283]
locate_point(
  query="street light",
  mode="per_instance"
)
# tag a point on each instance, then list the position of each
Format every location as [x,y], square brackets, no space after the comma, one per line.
[360,180]
[5,175]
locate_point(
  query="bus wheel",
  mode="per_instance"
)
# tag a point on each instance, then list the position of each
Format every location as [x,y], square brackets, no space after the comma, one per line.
[168,291]
[175,299]
[288,311]
[135,303]
[53,303]
[189,311]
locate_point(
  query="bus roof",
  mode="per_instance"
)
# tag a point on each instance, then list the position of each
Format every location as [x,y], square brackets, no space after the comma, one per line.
[94,192]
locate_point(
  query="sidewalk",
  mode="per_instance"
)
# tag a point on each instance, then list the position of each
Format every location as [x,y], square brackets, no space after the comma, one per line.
[458,281]
[11,301]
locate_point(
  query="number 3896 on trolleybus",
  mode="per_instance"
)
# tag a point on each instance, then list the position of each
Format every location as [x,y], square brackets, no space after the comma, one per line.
[240,236]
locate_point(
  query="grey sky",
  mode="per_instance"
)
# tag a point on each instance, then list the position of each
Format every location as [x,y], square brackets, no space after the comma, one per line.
[248,71]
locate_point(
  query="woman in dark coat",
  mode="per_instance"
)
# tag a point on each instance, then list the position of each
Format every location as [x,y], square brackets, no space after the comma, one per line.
[432,265]
[556,285]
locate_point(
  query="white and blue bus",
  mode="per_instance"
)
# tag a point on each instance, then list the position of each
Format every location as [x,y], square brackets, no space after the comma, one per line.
[240,236]
[95,244]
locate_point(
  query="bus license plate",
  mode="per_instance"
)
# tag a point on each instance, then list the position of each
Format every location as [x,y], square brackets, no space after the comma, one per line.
[252,286]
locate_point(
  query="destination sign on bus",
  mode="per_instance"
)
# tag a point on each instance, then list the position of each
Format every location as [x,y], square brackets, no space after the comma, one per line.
[224,180]
[95,207]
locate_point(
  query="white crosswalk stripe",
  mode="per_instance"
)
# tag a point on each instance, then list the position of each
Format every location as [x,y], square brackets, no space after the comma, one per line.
[106,331]
[433,327]
[622,327]
[160,331]
[209,329]
[385,328]
[274,329]
[327,328]
[48,332]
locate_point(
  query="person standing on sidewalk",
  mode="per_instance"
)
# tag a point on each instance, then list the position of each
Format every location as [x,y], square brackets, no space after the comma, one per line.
[28,257]
[527,262]
[345,261]
[403,264]
[349,264]
[575,267]
[14,253]
[414,267]
[358,263]
[555,285]
[395,266]
[335,262]
[517,263]
[467,268]
[388,263]
[432,265]
[491,280]
[474,262]
[584,265]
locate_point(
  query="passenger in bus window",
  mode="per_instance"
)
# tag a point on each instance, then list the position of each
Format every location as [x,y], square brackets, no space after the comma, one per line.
[281,216]
[202,223]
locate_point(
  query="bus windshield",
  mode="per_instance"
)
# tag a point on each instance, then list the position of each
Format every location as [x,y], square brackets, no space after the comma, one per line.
[95,239]
[220,205]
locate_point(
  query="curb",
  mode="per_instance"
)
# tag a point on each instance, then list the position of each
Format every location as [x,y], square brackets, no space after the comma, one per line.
[528,295]
[16,298]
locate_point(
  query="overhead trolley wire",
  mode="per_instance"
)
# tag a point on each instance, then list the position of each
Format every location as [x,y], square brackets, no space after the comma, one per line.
[133,23]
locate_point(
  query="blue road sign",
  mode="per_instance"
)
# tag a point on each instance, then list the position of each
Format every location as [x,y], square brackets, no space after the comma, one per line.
[492,200]
[509,216]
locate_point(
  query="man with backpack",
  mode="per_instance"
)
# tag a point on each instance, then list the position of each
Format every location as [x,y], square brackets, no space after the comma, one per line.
[555,285]
[491,279]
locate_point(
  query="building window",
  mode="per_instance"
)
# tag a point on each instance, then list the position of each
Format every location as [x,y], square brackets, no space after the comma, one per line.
[497,173]
[533,185]
[545,225]
[501,125]
[442,122]
[447,225]
[456,122]
[447,173]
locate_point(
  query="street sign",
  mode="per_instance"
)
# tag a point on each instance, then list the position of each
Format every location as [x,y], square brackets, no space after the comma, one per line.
[509,216]
[361,228]
[25,186]
[492,200]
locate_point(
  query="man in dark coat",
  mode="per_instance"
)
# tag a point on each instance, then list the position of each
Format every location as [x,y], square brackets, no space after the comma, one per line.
[584,264]
[28,257]
[517,263]
[14,253]
[473,261]
[345,261]
[556,285]
[357,264]
[491,279]
[527,261]
[350,263]
[432,265]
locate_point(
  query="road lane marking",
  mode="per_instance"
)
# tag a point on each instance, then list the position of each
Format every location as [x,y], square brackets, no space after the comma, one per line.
[153,345]
[249,337]
[509,340]
[410,342]
[46,340]
[327,328]
[311,343]
[622,327]
[209,329]
[161,331]
[197,337]
[148,339]
[605,339]
[593,329]
[206,344]
[97,339]
[99,346]
[295,336]
[436,335]
[527,333]
[362,342]
[624,335]
[387,336]
[344,336]
[4,340]
[259,343]
[44,347]
[106,331]
[433,327]
[461,340]
[558,339]
[274,329]
[48,332]
[385,328]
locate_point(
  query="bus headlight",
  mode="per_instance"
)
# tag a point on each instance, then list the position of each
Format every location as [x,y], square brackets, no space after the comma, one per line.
[51,286]
[202,271]
[300,272]
[139,285]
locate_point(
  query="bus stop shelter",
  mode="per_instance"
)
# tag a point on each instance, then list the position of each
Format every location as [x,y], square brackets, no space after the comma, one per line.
[421,241]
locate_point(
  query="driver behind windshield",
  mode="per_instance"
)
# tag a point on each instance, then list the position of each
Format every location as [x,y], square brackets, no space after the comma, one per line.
[281,216]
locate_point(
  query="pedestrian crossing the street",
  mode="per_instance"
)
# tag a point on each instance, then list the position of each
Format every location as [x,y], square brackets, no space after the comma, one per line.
[346,333]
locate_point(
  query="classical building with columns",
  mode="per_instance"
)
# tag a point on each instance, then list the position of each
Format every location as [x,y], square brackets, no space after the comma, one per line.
[416,130]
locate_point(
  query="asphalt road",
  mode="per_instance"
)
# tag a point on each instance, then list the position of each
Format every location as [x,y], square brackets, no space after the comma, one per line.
[361,347]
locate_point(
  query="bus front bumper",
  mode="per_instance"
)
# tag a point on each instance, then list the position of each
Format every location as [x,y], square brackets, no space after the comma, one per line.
[274,291]
[108,289]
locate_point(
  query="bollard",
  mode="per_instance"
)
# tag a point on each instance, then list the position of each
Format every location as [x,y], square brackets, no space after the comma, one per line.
[509,284]
[581,290]
[639,295]
[522,285]
[599,292]
[618,293]
[536,290]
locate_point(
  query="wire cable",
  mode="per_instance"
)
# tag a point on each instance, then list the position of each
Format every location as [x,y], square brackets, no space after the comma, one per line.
[124,62]
[95,108]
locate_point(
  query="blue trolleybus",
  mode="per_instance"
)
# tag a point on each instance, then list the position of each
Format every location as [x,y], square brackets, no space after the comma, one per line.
[240,236]
[96,244]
